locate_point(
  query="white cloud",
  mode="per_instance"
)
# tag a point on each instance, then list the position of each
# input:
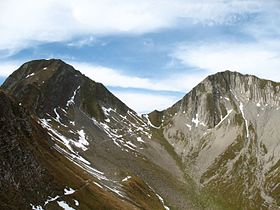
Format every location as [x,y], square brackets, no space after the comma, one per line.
[260,59]
[145,103]
[88,41]
[8,68]
[112,77]
[25,22]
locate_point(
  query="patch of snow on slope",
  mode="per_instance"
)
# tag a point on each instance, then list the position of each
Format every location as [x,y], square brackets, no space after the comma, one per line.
[71,100]
[36,207]
[64,205]
[131,144]
[115,190]
[189,126]
[50,199]
[162,201]
[57,118]
[97,184]
[107,110]
[82,164]
[195,121]
[242,112]
[68,191]
[228,113]
[126,178]
[243,115]
[150,123]
[139,139]
[82,142]
[76,203]
[29,75]
[55,134]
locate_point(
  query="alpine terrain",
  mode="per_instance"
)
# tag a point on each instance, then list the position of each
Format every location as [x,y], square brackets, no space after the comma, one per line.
[66,142]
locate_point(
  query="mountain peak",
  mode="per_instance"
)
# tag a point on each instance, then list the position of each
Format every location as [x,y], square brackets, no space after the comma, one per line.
[47,84]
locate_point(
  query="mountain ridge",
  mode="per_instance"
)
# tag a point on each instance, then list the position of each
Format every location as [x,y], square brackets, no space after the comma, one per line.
[216,148]
[104,137]
[227,125]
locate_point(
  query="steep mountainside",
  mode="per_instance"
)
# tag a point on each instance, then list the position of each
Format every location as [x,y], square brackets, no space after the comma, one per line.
[226,131]
[35,176]
[102,136]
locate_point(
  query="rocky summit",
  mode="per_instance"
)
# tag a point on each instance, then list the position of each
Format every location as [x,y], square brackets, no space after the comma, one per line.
[226,132]
[67,142]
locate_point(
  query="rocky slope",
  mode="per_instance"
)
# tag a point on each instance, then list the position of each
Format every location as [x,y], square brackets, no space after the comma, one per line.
[226,131]
[35,176]
[93,129]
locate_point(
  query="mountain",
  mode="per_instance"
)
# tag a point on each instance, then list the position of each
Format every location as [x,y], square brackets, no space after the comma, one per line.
[34,175]
[97,132]
[226,132]
[216,148]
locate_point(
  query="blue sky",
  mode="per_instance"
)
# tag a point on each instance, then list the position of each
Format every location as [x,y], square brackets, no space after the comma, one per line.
[149,53]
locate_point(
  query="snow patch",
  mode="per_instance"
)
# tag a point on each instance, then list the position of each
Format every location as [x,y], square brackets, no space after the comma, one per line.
[82,142]
[118,192]
[107,110]
[36,207]
[139,139]
[68,191]
[131,144]
[126,178]
[71,100]
[76,203]
[243,115]
[97,184]
[228,113]
[195,121]
[50,199]
[29,75]
[57,118]
[162,201]
[189,126]
[150,123]
[64,205]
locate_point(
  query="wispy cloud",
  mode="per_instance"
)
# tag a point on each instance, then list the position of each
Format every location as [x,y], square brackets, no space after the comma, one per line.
[260,59]
[7,68]
[87,41]
[61,20]
[113,77]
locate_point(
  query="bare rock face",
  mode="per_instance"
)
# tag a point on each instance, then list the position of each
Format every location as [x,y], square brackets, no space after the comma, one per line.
[226,130]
